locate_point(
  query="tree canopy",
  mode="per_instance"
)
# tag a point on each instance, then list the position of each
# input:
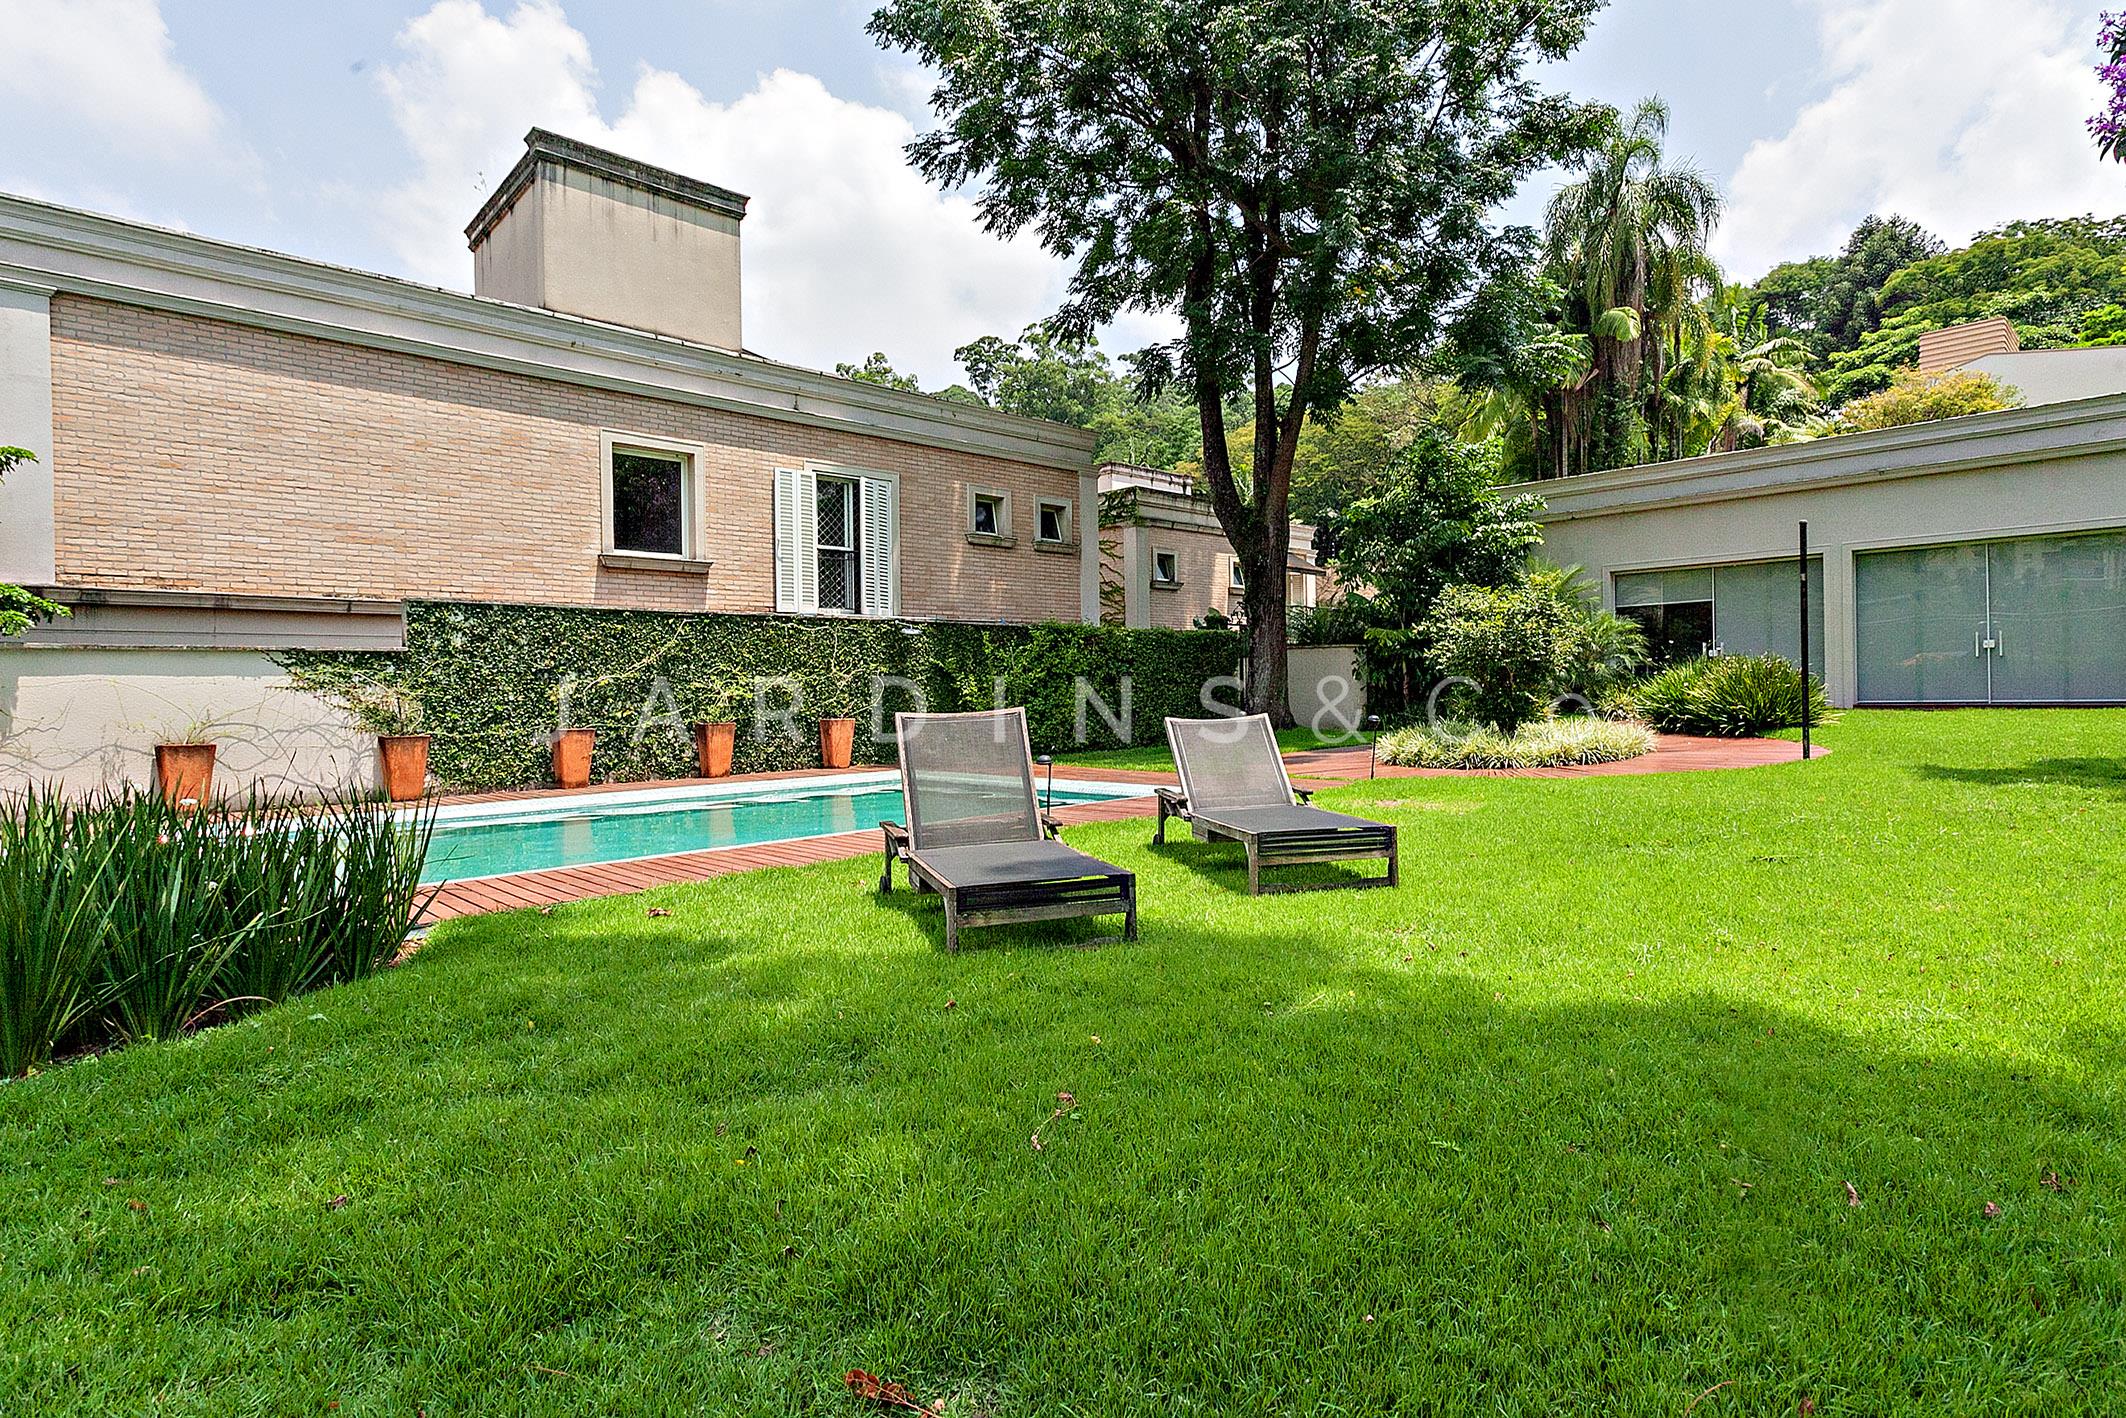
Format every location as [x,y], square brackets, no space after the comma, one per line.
[1309,184]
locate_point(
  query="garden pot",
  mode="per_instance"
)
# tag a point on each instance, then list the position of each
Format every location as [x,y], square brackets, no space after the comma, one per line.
[837,740]
[185,771]
[712,748]
[405,762]
[572,757]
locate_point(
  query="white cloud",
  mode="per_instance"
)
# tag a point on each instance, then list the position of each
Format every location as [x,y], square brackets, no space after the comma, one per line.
[109,65]
[846,250]
[1960,114]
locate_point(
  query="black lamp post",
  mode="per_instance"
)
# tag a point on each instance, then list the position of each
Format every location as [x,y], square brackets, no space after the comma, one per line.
[1372,742]
[1048,792]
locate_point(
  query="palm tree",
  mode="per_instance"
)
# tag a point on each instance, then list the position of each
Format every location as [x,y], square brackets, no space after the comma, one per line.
[1628,241]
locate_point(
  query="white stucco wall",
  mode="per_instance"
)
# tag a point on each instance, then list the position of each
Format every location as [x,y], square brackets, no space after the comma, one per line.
[1323,687]
[2024,473]
[80,719]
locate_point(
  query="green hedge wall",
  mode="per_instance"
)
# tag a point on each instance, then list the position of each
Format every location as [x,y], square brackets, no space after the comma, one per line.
[489,680]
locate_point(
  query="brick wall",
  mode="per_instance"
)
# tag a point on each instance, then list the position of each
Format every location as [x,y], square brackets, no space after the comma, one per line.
[193,454]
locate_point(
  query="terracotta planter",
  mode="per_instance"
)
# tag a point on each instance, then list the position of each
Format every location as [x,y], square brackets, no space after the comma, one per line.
[405,762]
[185,771]
[712,748]
[572,757]
[837,741]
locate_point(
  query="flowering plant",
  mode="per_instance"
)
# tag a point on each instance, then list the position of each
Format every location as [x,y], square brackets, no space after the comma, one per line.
[2109,127]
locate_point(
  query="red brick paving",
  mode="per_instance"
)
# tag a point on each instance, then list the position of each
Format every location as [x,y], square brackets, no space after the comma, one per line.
[1328,766]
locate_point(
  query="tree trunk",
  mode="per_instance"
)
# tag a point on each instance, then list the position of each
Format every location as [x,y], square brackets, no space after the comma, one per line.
[1268,674]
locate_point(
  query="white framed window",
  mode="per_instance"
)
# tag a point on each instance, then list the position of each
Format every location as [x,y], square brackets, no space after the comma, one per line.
[650,496]
[1235,578]
[837,544]
[988,513]
[1051,520]
[1166,567]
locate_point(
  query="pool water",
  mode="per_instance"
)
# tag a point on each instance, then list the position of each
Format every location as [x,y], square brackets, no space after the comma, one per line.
[535,838]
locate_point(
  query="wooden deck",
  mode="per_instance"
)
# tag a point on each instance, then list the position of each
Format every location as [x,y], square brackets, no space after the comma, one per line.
[1317,768]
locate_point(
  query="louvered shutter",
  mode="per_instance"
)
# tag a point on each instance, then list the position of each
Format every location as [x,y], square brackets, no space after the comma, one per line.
[881,548]
[796,541]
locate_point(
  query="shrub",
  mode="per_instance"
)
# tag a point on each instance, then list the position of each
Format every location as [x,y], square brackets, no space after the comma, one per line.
[1606,650]
[1543,743]
[1732,696]
[124,919]
[494,681]
[1512,645]
[1915,397]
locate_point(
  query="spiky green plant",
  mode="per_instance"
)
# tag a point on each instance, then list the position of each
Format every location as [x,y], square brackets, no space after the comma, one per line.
[1730,696]
[55,902]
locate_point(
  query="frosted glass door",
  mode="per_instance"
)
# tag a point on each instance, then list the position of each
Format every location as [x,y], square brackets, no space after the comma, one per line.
[2059,619]
[1757,610]
[1919,620]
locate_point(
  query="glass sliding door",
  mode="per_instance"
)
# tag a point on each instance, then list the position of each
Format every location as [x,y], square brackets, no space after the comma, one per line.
[1674,608]
[1919,619]
[1757,610]
[2059,619]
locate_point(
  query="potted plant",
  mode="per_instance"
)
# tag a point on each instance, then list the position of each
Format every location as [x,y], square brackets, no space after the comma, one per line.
[837,742]
[717,732]
[393,714]
[184,765]
[572,757]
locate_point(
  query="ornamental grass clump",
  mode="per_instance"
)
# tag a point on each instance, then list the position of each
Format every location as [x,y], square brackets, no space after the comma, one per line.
[1573,741]
[1727,696]
[123,919]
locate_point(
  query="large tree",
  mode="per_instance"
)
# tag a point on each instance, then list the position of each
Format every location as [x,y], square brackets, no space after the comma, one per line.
[1309,184]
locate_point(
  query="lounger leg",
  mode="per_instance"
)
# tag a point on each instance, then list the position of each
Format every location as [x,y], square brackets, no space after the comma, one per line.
[1254,870]
[885,880]
[1159,833]
[952,919]
[1129,918]
[1395,860]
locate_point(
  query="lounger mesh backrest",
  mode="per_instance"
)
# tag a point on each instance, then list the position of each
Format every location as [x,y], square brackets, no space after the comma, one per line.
[967,779]
[1229,762]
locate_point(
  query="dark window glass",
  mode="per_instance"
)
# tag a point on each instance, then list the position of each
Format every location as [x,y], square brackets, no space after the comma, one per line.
[1163,568]
[985,516]
[838,580]
[1051,523]
[1680,631]
[649,503]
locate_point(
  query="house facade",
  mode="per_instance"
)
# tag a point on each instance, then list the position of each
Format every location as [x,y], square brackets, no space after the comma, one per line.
[1972,561]
[1165,561]
[240,452]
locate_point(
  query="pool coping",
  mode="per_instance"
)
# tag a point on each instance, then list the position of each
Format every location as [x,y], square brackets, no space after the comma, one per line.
[554,886]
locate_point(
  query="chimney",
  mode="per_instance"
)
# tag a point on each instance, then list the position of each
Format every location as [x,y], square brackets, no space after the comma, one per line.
[580,230]
[1958,345]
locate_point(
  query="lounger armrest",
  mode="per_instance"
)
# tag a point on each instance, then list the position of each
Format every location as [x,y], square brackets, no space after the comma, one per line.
[1305,795]
[1174,798]
[1051,824]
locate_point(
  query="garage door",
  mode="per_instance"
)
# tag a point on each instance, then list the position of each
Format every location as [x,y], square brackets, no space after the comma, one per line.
[2038,620]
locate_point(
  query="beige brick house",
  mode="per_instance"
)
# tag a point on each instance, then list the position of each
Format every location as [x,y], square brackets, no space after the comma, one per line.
[1164,560]
[241,451]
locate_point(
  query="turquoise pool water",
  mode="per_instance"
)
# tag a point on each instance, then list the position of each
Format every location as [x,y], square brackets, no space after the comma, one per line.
[580,837]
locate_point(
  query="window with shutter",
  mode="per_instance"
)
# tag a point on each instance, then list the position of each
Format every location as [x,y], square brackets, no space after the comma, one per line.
[881,558]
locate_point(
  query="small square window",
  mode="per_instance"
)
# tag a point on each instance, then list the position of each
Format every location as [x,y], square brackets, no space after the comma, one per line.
[649,502]
[1236,578]
[1052,522]
[988,516]
[1166,569]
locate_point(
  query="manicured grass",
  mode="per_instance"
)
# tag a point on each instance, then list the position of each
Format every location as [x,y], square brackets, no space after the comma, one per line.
[1566,1124]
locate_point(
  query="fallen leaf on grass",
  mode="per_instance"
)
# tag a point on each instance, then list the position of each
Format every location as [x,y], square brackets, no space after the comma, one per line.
[339,1201]
[1852,1195]
[136,1204]
[883,1392]
[2051,1182]
[1993,1208]
[952,1003]
[1804,1408]
[658,912]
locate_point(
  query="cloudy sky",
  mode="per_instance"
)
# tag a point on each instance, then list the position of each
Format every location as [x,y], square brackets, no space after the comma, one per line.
[366,132]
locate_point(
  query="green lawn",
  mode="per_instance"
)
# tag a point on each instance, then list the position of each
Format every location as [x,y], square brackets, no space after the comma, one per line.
[1567,1124]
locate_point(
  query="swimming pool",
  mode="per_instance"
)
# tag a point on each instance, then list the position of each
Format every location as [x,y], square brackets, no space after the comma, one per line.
[477,840]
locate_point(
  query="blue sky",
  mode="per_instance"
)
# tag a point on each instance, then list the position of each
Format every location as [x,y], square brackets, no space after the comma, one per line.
[366,132]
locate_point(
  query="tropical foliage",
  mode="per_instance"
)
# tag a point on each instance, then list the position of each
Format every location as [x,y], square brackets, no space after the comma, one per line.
[2109,127]
[1506,649]
[1573,740]
[124,919]
[20,609]
[1914,397]
[1733,696]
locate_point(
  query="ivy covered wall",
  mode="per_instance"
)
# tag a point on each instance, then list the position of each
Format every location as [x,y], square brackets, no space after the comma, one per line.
[493,682]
